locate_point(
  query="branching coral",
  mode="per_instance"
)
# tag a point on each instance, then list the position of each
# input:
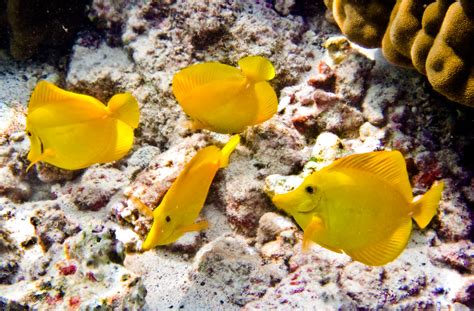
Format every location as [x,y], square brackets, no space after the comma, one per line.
[433,36]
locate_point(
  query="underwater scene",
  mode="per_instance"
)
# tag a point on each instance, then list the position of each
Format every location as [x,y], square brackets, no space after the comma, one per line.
[236,155]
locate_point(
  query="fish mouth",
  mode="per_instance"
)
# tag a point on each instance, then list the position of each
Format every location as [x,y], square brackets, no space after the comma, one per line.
[282,202]
[293,202]
[155,237]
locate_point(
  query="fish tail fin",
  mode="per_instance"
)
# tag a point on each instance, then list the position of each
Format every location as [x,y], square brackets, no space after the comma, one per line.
[425,206]
[257,68]
[125,108]
[228,149]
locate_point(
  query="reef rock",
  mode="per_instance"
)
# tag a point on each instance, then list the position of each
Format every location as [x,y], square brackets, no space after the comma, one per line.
[88,275]
[51,225]
[230,265]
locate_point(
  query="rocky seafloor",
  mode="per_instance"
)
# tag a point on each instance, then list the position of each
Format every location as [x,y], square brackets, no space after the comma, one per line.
[71,239]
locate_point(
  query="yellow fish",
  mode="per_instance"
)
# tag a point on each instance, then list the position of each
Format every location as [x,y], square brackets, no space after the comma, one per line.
[73,131]
[361,205]
[225,99]
[184,200]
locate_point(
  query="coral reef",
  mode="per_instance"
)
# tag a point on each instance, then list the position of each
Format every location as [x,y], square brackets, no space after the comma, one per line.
[88,275]
[335,99]
[10,254]
[429,35]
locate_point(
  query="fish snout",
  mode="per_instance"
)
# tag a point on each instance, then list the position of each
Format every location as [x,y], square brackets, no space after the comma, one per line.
[282,202]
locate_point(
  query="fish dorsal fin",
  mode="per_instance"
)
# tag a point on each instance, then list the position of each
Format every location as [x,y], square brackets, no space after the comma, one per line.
[46,93]
[257,68]
[125,108]
[267,102]
[383,251]
[388,166]
[195,76]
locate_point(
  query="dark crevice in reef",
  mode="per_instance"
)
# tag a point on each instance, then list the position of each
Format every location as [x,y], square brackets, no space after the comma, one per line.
[308,7]
[41,29]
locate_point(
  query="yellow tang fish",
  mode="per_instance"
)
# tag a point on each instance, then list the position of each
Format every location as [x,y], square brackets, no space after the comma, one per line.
[361,205]
[184,200]
[73,131]
[225,99]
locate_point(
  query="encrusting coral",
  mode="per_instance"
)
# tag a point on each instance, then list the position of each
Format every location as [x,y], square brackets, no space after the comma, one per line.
[433,36]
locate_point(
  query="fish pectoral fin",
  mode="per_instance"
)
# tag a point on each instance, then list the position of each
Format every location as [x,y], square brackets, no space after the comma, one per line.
[142,208]
[198,226]
[314,226]
[385,250]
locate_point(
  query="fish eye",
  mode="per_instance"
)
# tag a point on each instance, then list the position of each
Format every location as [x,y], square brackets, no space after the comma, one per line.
[309,189]
[28,133]
[168,218]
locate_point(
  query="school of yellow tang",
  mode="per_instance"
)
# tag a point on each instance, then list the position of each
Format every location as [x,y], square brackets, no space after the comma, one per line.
[336,207]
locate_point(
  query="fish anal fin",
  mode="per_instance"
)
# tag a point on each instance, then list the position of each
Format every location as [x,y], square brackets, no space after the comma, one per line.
[267,101]
[315,225]
[425,207]
[257,68]
[125,108]
[198,226]
[388,166]
[385,250]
